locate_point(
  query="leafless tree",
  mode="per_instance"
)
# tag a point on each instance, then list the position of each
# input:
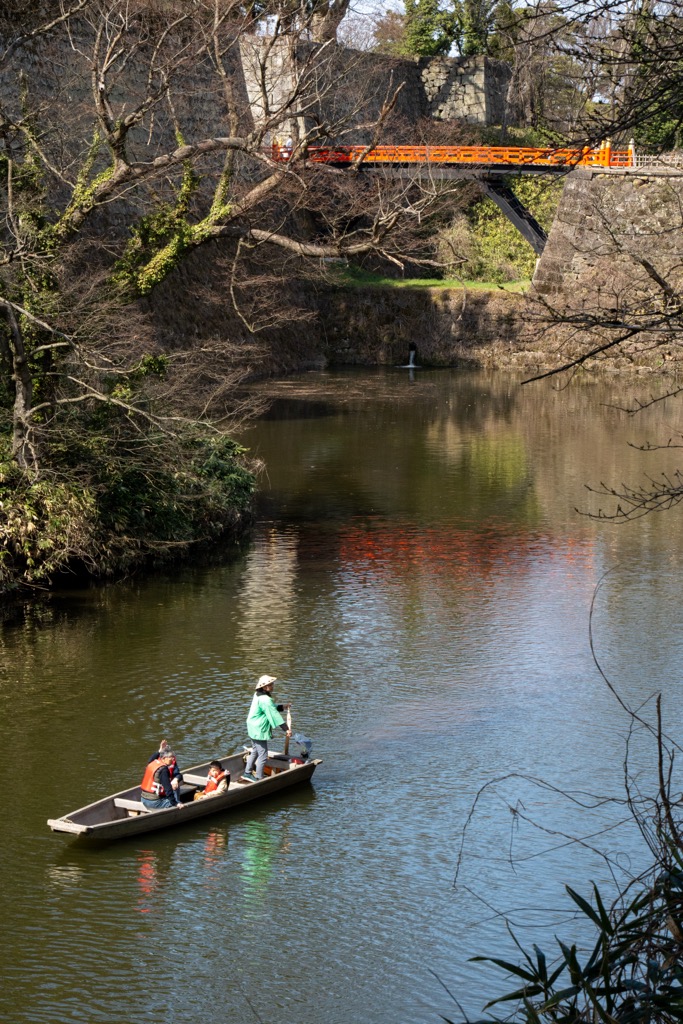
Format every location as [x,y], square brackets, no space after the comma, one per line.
[136,135]
[124,160]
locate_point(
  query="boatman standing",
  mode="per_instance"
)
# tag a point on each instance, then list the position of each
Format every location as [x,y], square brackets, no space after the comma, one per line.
[264,716]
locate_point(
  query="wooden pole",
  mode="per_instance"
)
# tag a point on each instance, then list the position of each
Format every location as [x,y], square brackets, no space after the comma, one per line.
[289,728]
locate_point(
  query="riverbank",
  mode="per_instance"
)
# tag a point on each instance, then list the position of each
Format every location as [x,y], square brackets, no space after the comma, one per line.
[473,325]
[374,325]
[340,321]
[516,326]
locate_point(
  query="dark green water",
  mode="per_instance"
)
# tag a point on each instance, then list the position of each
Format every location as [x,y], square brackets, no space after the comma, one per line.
[420,583]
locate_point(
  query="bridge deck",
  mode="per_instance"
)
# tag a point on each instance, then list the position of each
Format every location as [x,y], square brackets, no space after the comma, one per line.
[500,158]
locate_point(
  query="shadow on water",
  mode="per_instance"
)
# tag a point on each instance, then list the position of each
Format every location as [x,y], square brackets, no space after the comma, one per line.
[75,595]
[298,409]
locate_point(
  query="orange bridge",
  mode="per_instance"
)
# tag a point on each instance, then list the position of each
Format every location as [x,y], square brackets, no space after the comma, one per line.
[487,164]
[511,158]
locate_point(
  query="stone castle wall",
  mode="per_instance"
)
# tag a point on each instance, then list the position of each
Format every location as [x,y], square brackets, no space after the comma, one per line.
[471,89]
[349,83]
[354,84]
[614,256]
[608,226]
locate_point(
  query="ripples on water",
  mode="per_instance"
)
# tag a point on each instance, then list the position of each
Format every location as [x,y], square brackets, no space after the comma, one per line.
[421,587]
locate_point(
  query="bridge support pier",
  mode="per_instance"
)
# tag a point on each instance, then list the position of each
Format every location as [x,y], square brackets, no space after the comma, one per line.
[515,211]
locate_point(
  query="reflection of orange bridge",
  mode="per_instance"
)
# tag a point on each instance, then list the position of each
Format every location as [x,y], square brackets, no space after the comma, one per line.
[451,553]
[487,164]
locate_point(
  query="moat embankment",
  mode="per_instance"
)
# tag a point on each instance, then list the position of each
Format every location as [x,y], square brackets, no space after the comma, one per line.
[613,249]
[373,325]
[451,327]
[480,329]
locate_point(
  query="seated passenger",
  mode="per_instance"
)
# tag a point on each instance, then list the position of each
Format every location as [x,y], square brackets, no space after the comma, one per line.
[156,789]
[217,782]
[174,770]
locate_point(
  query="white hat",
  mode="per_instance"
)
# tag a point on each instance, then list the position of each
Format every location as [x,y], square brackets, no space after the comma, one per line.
[265,681]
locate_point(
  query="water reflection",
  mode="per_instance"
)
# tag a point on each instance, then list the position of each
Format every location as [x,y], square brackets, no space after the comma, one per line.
[262,846]
[268,599]
[148,879]
[65,876]
[215,857]
[159,870]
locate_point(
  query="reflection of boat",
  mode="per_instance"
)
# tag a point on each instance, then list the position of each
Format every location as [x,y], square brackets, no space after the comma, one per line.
[122,814]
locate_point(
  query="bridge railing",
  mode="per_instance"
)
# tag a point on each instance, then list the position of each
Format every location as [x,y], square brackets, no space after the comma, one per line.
[482,156]
[661,160]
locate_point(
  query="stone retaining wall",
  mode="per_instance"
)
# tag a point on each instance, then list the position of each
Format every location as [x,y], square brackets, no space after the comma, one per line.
[472,89]
[367,326]
[614,249]
[606,224]
[350,82]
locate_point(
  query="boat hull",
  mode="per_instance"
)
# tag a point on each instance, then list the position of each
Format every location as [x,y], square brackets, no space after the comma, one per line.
[112,817]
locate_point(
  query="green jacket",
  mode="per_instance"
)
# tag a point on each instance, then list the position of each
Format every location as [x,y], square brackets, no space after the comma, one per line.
[263,717]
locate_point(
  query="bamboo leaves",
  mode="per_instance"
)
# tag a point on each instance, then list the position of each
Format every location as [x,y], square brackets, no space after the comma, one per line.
[633,974]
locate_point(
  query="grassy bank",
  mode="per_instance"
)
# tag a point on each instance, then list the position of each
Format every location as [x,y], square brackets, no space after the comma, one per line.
[353,277]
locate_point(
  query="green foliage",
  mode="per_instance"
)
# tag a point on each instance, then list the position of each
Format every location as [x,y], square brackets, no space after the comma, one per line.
[108,504]
[99,486]
[42,524]
[502,38]
[511,135]
[150,366]
[428,29]
[490,244]
[357,277]
[195,499]
[86,187]
[629,968]
[478,17]
[654,39]
[158,241]
[634,971]
[663,130]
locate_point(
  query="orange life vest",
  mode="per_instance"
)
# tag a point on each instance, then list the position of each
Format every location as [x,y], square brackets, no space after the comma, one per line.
[149,782]
[213,782]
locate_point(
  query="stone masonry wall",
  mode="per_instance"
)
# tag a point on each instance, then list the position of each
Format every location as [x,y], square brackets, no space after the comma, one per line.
[615,247]
[471,89]
[367,326]
[607,223]
[352,82]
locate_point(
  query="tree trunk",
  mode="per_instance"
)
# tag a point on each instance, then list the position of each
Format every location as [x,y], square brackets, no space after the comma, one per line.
[326,19]
[22,448]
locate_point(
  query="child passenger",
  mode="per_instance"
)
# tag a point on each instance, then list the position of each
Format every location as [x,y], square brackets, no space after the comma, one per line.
[217,782]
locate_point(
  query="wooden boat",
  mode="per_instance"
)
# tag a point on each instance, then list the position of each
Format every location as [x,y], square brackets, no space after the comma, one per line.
[122,814]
